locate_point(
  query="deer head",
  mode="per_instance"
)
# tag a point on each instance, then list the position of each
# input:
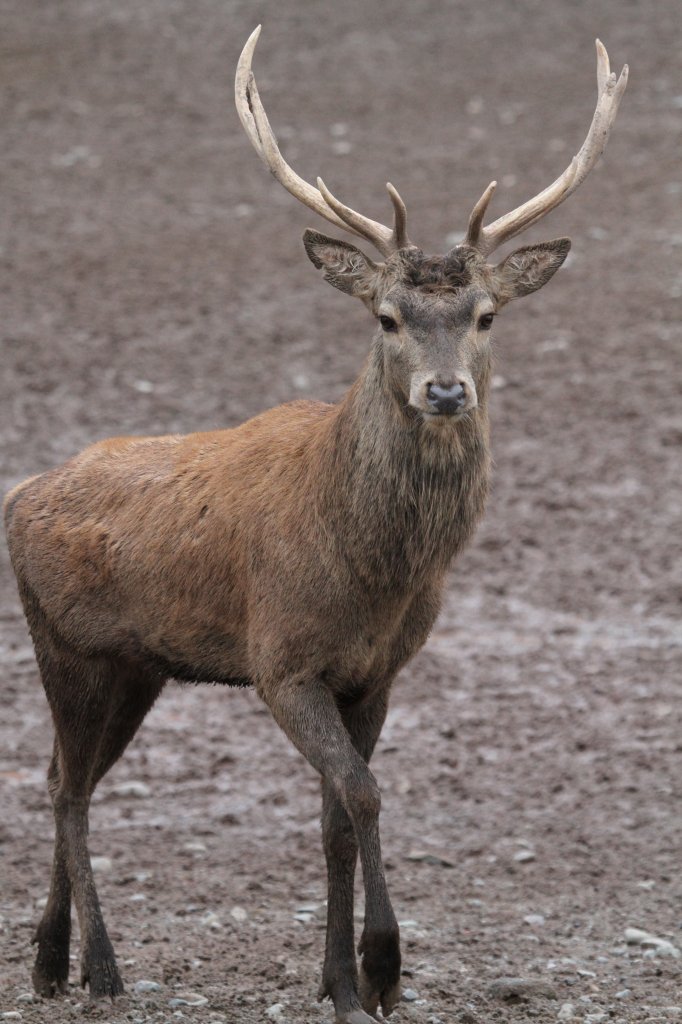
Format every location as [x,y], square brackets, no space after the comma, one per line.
[435,312]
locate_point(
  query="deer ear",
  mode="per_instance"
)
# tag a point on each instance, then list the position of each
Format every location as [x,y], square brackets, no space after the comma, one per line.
[527,269]
[344,266]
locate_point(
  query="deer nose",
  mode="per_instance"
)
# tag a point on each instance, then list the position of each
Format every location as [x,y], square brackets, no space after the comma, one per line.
[445,400]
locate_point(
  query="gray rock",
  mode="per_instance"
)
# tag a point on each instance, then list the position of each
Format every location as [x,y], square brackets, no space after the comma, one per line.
[658,946]
[147,986]
[566,1012]
[431,857]
[132,788]
[101,865]
[520,990]
[409,995]
[188,999]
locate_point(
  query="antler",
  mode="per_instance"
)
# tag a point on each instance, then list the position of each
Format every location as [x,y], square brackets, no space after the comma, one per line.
[320,199]
[609,93]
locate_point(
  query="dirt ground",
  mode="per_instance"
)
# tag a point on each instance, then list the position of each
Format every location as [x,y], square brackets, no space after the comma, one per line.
[153,280]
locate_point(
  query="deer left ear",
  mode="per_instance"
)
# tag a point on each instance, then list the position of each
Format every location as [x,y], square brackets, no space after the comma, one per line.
[527,269]
[344,266]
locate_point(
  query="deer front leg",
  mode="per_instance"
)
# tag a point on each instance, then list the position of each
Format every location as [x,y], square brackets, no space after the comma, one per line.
[308,714]
[363,721]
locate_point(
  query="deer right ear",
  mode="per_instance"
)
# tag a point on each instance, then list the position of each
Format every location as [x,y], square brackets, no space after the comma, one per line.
[344,266]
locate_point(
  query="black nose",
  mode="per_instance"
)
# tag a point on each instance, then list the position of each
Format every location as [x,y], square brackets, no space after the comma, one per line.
[445,400]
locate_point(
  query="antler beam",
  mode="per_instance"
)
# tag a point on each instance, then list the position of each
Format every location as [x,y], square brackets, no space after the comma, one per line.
[257,127]
[609,93]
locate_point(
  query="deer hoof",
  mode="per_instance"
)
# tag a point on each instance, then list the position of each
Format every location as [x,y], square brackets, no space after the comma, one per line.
[50,982]
[371,997]
[102,977]
[355,1017]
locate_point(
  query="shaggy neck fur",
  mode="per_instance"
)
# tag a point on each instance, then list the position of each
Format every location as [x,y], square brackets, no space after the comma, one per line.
[406,495]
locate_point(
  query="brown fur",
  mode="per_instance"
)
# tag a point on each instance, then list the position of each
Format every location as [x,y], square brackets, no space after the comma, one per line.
[303,552]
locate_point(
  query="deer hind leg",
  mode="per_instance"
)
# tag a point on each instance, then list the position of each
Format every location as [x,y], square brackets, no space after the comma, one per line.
[97,705]
[309,716]
[53,935]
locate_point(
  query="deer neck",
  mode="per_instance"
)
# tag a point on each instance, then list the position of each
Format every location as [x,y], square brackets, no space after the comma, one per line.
[404,495]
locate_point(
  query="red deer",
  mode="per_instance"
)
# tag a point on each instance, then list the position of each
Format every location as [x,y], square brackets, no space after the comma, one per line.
[302,553]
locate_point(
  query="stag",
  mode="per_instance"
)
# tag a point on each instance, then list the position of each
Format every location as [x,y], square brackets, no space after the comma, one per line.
[302,553]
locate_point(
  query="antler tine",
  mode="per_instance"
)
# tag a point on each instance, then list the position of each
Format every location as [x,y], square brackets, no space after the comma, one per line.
[256,125]
[609,93]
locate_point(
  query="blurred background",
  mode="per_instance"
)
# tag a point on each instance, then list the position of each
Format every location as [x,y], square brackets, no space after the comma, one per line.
[153,280]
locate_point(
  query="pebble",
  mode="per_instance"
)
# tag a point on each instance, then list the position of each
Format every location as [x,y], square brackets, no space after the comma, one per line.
[188,999]
[132,788]
[210,920]
[427,857]
[520,989]
[623,994]
[524,856]
[275,1011]
[409,995]
[101,864]
[147,986]
[194,847]
[595,1018]
[11,1015]
[26,997]
[534,919]
[659,947]
[566,1012]
[238,914]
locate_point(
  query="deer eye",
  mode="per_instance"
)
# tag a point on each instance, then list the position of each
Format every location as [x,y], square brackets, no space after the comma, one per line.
[388,323]
[486,321]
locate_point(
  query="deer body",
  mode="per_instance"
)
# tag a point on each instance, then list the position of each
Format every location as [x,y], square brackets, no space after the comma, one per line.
[303,553]
[312,538]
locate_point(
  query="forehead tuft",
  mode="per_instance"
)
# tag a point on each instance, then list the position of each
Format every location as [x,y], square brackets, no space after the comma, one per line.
[438,273]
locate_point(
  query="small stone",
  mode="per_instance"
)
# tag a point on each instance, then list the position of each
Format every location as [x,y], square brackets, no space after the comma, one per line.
[431,857]
[585,974]
[566,1012]
[147,986]
[595,1018]
[275,1011]
[138,897]
[534,919]
[101,865]
[623,994]
[132,788]
[520,990]
[188,999]
[409,995]
[210,920]
[657,946]
[524,856]
[26,997]
[12,1015]
[238,914]
[194,847]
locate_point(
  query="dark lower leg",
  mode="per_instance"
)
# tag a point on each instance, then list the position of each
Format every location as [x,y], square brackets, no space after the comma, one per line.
[339,973]
[339,747]
[51,970]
